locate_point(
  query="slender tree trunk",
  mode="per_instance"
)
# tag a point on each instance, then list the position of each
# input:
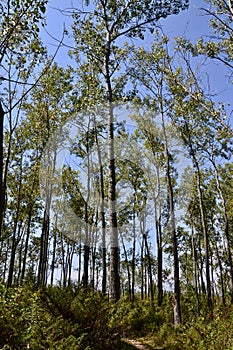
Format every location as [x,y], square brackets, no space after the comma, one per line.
[127,267]
[177,307]
[86,251]
[145,278]
[43,262]
[201,268]
[79,263]
[202,216]
[54,252]
[206,236]
[147,256]
[12,261]
[2,189]
[70,263]
[151,289]
[212,274]
[6,259]
[159,240]
[15,237]
[226,228]
[133,258]
[15,242]
[103,221]
[64,263]
[221,275]
[86,214]
[94,249]
[195,271]
[20,253]
[26,244]
[114,248]
[158,231]
[142,269]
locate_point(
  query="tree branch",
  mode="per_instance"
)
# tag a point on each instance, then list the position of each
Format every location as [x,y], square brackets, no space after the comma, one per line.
[40,76]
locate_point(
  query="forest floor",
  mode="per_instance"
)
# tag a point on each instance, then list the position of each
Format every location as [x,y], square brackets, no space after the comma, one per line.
[136,344]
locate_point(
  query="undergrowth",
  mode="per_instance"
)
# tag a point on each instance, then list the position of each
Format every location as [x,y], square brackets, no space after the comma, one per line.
[69,318]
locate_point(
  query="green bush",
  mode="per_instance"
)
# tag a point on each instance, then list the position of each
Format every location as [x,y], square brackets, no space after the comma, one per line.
[53,319]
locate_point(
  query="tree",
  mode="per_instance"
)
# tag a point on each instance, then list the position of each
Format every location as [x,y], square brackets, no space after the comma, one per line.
[51,104]
[19,40]
[97,33]
[216,47]
[150,73]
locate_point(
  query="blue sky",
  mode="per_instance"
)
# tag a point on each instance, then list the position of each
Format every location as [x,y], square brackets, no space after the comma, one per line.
[192,23]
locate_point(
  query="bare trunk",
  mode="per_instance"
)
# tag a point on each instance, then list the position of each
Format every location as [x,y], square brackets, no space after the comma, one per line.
[195,270]
[142,269]
[206,237]
[133,258]
[53,253]
[158,230]
[177,308]
[87,233]
[70,263]
[127,267]
[221,275]
[226,229]
[79,263]
[15,242]
[43,262]
[2,188]
[202,216]
[150,289]
[26,244]
[17,226]
[114,248]
[104,249]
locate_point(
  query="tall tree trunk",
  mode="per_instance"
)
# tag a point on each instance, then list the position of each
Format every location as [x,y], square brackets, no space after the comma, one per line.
[70,263]
[6,259]
[20,253]
[26,243]
[221,275]
[159,239]
[103,221]
[114,248]
[142,269]
[133,258]
[127,266]
[43,262]
[15,242]
[2,189]
[54,252]
[150,289]
[203,286]
[17,224]
[64,263]
[158,232]
[12,260]
[195,271]
[79,263]
[226,228]
[86,215]
[206,237]
[202,213]
[147,255]
[177,307]
[86,251]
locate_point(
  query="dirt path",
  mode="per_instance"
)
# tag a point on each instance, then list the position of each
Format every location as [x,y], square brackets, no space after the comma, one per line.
[136,344]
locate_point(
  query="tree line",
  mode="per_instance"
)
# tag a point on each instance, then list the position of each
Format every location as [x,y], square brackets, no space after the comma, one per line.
[87,198]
